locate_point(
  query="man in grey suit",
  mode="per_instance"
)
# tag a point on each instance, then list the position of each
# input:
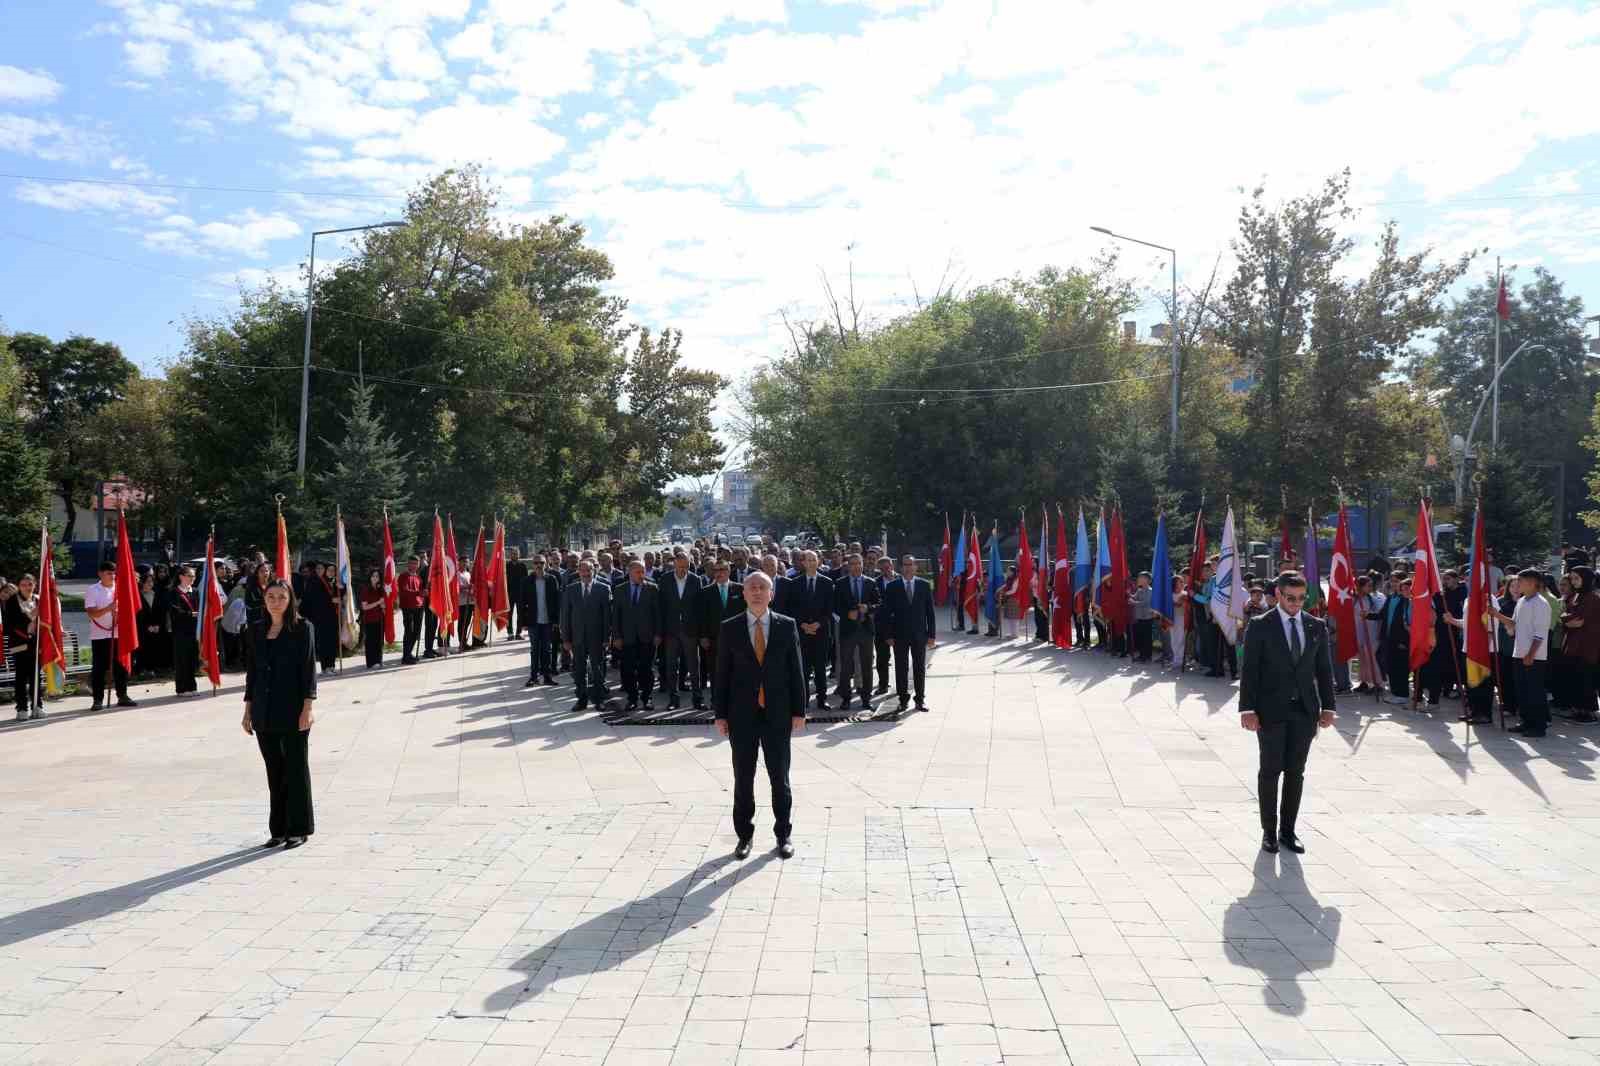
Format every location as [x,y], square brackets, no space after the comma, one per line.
[680,625]
[585,632]
[636,630]
[1285,696]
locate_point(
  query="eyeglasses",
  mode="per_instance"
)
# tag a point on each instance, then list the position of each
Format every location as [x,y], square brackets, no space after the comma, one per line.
[1292,597]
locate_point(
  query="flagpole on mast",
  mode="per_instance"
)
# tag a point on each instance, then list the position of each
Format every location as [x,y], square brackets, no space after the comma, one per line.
[1494,421]
[338,634]
[38,627]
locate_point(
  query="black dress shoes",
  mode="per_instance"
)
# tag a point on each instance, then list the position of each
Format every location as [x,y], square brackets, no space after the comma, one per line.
[699,704]
[532,681]
[1268,844]
[549,680]
[921,706]
[785,850]
[581,705]
[903,704]
[125,702]
[1292,842]
[742,850]
[633,705]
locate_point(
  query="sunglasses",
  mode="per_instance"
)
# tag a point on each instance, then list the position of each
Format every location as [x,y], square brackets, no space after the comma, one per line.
[1292,597]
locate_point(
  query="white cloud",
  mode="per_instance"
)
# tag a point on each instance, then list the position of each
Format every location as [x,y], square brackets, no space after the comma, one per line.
[247,233]
[27,85]
[81,197]
[148,59]
[49,139]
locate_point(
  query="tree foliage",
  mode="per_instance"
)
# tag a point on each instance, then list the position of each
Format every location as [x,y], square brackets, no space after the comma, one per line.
[24,476]
[369,474]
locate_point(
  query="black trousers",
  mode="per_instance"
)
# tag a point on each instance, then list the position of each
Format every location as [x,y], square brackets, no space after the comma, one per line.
[1397,664]
[464,625]
[1041,622]
[814,661]
[411,630]
[638,662]
[915,655]
[185,661]
[286,756]
[541,649]
[1144,637]
[373,632]
[855,651]
[1284,742]
[881,654]
[27,675]
[430,631]
[708,663]
[680,658]
[771,738]
[1530,696]
[589,671]
[105,662]
[1080,630]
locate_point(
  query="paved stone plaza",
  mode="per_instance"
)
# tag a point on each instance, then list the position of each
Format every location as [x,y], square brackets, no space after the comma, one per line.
[1058,864]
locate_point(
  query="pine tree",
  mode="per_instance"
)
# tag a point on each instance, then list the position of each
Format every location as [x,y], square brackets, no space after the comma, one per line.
[370,471]
[1517,511]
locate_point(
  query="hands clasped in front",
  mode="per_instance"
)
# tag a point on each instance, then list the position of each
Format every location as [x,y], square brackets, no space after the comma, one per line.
[1251,721]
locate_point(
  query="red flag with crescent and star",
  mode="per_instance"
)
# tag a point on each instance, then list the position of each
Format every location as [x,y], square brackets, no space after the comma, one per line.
[1342,591]
[941,593]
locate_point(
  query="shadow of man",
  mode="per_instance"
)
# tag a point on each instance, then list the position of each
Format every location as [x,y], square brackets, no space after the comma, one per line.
[608,940]
[1281,931]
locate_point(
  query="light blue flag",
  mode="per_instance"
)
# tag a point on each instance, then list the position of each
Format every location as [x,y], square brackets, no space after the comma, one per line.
[997,580]
[1080,555]
[960,566]
[1102,557]
[1161,573]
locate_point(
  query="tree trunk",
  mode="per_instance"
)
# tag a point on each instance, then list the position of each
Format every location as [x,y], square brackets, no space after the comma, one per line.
[71,509]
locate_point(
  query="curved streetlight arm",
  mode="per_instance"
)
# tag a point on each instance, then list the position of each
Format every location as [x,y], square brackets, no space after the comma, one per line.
[1471,430]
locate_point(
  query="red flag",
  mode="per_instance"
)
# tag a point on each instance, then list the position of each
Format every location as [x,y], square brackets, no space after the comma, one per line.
[1061,616]
[1480,665]
[280,558]
[439,577]
[126,608]
[1197,562]
[1502,306]
[210,614]
[1117,609]
[452,569]
[1286,549]
[941,593]
[974,572]
[52,642]
[480,586]
[1024,569]
[1342,591]
[497,579]
[391,581]
[1425,583]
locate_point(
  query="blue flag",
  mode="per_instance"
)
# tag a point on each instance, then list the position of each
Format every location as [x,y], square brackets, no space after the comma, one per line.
[1161,573]
[1102,556]
[1080,555]
[961,552]
[997,580]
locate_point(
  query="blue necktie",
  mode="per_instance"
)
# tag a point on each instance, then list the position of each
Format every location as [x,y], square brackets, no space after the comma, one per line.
[636,595]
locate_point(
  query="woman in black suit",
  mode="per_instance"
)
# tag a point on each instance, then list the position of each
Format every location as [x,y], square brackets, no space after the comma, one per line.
[280,685]
[183,608]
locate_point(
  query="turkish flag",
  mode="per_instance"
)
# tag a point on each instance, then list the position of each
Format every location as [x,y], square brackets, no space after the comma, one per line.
[1502,306]
[1342,592]
[52,636]
[973,573]
[1197,562]
[211,607]
[126,602]
[438,577]
[1024,570]
[480,586]
[1425,583]
[452,569]
[498,592]
[391,584]
[1061,617]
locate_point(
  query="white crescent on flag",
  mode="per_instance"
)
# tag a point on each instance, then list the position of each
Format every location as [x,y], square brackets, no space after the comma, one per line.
[1343,586]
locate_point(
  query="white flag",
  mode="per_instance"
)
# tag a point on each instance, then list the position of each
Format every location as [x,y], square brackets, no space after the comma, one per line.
[349,626]
[1227,597]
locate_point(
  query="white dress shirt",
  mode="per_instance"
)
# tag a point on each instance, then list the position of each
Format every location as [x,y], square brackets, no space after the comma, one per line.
[1292,623]
[762,622]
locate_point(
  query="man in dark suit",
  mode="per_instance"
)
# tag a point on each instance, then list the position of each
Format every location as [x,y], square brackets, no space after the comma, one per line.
[855,600]
[586,632]
[636,631]
[760,699]
[516,577]
[1285,695]
[908,621]
[720,600]
[680,625]
[884,572]
[539,610]
[808,599]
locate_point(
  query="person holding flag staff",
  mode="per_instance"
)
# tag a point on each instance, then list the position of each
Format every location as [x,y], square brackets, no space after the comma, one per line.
[374,605]
[183,612]
[21,622]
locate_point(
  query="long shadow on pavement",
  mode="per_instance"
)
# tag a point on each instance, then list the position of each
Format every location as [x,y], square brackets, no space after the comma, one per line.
[1281,931]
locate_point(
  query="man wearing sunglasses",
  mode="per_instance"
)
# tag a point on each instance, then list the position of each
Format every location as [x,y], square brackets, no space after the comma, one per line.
[1285,696]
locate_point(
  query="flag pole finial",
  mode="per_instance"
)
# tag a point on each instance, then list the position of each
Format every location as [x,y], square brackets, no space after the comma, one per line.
[277,498]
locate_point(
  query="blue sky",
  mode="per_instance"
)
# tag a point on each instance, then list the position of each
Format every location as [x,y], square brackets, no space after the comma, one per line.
[725,151]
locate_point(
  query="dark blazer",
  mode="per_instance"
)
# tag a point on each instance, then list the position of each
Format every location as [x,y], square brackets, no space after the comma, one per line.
[680,614]
[528,598]
[1272,677]
[586,621]
[909,618]
[709,602]
[794,601]
[280,675]
[18,640]
[740,677]
[635,625]
[844,601]
[182,613]
[1394,621]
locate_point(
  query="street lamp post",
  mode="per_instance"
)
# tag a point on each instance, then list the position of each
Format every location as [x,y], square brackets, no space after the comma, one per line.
[1174,325]
[1492,391]
[305,366]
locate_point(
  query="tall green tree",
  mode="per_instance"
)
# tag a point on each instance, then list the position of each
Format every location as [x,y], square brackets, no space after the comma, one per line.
[1518,515]
[367,474]
[24,476]
[135,436]
[65,387]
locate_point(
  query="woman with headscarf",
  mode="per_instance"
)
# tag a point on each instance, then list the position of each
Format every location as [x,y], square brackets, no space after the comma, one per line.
[1580,648]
